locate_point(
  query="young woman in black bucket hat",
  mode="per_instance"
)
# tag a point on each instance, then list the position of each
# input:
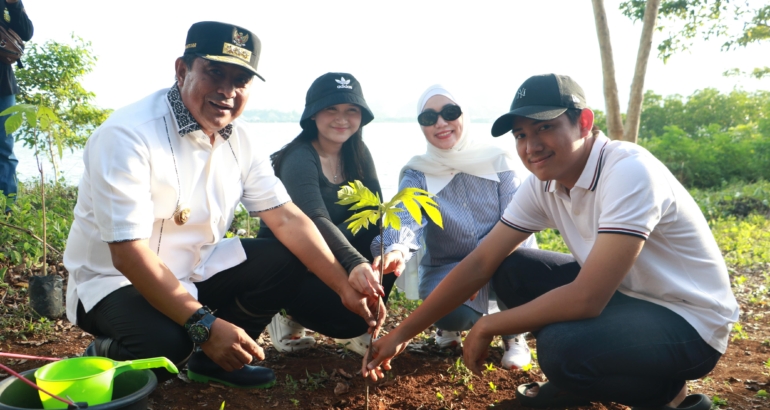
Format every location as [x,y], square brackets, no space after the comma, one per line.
[327,154]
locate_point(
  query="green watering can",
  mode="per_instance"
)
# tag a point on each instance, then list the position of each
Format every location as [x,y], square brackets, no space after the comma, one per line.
[88,379]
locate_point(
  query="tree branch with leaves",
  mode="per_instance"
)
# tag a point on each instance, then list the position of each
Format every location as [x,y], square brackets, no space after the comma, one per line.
[42,123]
[51,78]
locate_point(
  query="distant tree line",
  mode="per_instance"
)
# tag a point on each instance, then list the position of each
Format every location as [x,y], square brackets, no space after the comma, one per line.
[708,139]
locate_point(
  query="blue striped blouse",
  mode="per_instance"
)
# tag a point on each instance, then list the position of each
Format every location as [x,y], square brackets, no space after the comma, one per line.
[470,207]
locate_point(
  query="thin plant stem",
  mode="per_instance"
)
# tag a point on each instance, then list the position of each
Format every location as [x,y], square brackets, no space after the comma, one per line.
[379,297]
[382,267]
[42,196]
[52,158]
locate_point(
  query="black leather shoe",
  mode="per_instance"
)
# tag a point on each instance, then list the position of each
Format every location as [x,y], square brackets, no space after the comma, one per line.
[99,347]
[202,369]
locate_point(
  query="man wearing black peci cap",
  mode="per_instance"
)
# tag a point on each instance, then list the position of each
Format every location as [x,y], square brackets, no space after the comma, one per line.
[151,270]
[641,305]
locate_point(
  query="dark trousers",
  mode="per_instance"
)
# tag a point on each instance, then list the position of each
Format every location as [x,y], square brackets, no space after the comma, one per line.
[247,295]
[318,307]
[635,352]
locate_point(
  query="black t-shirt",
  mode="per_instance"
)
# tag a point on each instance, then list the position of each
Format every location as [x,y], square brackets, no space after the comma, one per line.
[315,195]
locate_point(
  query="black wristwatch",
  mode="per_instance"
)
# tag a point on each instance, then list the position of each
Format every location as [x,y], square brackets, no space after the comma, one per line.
[198,315]
[200,331]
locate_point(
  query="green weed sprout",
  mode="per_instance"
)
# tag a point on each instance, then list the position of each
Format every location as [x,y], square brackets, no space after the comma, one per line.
[738,332]
[316,381]
[763,394]
[492,387]
[291,384]
[459,372]
[489,367]
[439,396]
[222,407]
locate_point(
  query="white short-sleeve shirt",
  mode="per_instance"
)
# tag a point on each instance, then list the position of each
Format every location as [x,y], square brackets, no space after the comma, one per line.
[138,167]
[624,189]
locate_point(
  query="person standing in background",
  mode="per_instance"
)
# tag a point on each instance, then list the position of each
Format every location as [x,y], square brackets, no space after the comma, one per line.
[15,18]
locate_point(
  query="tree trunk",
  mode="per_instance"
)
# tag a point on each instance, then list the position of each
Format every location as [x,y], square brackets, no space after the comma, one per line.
[634,112]
[614,120]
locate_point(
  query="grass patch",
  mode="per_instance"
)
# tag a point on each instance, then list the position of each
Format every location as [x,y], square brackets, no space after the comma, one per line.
[18,247]
[738,200]
[744,242]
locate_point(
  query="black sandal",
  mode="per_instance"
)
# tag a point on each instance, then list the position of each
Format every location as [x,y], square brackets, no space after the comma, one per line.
[549,396]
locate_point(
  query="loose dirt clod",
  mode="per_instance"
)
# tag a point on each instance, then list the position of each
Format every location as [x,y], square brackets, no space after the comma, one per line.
[341,388]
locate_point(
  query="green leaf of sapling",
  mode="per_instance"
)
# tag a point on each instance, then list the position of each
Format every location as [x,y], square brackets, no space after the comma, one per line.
[24,108]
[413,207]
[392,220]
[347,195]
[31,116]
[13,123]
[47,118]
[362,220]
[356,193]
[431,208]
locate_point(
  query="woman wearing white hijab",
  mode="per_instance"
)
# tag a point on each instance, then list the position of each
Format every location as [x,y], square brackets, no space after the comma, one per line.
[474,182]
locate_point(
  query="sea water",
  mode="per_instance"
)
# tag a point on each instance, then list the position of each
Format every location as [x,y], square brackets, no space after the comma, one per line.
[391,145]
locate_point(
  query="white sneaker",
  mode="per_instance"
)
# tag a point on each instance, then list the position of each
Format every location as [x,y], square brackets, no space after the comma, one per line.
[357,344]
[517,353]
[288,335]
[446,338]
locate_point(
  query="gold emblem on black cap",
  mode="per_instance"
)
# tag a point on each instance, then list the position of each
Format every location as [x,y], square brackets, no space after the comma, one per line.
[239,38]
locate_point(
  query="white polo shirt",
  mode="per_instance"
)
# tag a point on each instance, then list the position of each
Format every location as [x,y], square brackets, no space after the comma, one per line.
[138,166]
[624,189]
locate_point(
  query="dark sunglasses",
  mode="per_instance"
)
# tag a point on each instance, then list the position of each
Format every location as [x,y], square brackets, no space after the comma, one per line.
[450,112]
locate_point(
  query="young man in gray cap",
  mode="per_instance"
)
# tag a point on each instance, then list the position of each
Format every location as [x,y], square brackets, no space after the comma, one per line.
[642,304]
[151,272]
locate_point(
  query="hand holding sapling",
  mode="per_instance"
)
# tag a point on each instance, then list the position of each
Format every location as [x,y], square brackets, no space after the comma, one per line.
[414,199]
[364,280]
[392,262]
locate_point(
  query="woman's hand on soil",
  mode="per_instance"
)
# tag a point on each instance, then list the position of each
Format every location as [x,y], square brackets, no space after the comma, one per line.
[363,279]
[476,348]
[392,263]
[230,347]
[381,352]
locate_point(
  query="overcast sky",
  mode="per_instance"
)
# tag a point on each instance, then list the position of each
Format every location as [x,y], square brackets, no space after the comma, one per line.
[481,50]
